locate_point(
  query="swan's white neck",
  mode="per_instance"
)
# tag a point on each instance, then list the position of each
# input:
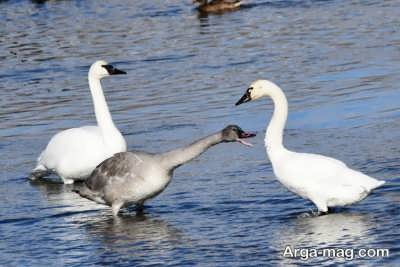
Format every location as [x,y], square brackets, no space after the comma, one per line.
[274,133]
[103,116]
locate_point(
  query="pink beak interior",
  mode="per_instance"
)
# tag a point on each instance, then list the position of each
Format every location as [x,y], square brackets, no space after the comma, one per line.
[245,135]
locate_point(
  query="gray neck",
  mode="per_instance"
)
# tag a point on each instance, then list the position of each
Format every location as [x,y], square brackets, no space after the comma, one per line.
[103,115]
[177,157]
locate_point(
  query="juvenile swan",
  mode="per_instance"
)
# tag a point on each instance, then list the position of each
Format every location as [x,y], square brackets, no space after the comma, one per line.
[75,152]
[325,181]
[133,177]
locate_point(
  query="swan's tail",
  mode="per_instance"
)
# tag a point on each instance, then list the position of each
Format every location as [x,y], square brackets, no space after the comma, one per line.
[38,172]
[378,184]
[368,182]
[89,194]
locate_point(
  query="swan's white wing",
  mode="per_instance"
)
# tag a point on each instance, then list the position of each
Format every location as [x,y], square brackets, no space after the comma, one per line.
[318,177]
[303,169]
[333,172]
[74,139]
[74,152]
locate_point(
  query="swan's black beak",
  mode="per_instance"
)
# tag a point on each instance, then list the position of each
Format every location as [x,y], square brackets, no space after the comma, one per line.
[113,71]
[244,135]
[245,98]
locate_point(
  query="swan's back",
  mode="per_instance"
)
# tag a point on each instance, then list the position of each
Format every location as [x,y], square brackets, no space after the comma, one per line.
[75,152]
[316,176]
[119,165]
[65,145]
[129,176]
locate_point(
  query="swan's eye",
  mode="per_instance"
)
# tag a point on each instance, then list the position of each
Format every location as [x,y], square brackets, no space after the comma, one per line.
[109,68]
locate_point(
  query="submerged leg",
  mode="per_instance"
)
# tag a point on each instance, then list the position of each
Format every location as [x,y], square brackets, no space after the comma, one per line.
[324,212]
[321,205]
[140,208]
[67,180]
[116,207]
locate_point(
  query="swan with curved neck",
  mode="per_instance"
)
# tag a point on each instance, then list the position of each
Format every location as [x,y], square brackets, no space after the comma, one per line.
[134,177]
[75,152]
[326,181]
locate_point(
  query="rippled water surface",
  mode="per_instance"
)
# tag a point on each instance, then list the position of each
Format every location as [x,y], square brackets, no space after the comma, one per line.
[337,61]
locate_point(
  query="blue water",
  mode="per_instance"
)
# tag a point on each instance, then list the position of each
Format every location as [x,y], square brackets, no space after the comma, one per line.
[337,61]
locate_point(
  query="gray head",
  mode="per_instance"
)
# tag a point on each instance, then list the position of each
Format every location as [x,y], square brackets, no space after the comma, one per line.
[234,133]
[101,69]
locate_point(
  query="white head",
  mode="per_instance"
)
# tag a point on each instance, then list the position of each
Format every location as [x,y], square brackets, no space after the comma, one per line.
[101,69]
[257,90]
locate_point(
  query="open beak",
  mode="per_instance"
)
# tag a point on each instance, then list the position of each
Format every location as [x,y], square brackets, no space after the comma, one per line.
[244,135]
[245,98]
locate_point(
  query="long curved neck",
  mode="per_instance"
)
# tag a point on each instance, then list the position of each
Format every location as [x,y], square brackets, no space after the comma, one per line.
[177,157]
[274,133]
[103,116]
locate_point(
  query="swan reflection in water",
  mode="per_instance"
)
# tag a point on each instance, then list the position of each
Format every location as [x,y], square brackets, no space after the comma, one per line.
[127,234]
[134,236]
[125,228]
[61,201]
[342,230]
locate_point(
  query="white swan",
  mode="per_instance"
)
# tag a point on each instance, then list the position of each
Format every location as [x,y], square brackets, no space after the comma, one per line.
[75,152]
[325,181]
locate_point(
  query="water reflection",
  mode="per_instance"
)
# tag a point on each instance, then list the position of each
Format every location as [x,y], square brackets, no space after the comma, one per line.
[134,235]
[335,230]
[54,190]
[61,199]
[125,229]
